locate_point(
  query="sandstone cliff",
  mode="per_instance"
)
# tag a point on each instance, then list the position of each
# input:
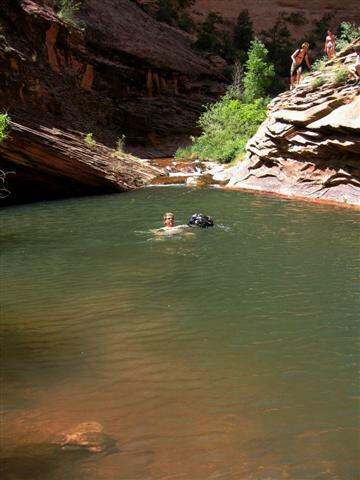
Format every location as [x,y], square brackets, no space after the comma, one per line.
[264,13]
[48,163]
[309,145]
[118,73]
[122,73]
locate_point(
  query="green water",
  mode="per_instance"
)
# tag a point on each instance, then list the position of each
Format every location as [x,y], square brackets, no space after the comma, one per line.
[231,354]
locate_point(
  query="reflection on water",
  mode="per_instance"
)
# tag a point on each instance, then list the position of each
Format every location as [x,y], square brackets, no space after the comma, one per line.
[230,354]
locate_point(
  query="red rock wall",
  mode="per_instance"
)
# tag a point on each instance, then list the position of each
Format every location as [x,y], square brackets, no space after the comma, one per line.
[123,73]
[265,12]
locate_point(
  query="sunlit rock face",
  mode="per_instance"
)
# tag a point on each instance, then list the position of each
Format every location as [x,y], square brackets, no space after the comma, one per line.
[309,145]
[264,13]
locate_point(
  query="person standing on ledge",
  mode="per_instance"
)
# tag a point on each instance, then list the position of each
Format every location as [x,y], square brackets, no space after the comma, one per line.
[330,44]
[355,69]
[298,58]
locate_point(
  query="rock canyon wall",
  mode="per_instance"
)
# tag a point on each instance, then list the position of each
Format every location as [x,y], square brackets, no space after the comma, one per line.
[120,73]
[264,13]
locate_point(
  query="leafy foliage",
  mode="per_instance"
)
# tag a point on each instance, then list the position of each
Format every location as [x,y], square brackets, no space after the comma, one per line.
[341,75]
[319,63]
[318,82]
[185,23]
[279,44]
[118,152]
[68,11]
[348,33]
[259,72]
[226,127]
[243,31]
[89,140]
[4,125]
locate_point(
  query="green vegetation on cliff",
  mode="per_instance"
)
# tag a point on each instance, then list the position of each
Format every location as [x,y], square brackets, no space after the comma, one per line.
[348,33]
[228,124]
[68,12]
[4,125]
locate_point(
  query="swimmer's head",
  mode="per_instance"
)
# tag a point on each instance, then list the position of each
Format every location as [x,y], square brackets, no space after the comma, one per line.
[169,219]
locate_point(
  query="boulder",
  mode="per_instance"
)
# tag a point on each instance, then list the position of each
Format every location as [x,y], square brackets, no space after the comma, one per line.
[87,436]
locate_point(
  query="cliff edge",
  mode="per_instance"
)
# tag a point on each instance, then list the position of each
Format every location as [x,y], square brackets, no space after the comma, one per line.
[309,145]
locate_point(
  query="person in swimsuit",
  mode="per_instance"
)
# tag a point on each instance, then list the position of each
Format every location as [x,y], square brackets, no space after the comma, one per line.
[169,227]
[355,68]
[298,58]
[330,44]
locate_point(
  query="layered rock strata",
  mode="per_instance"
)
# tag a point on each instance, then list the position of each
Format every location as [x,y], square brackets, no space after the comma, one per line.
[309,145]
[119,72]
[48,163]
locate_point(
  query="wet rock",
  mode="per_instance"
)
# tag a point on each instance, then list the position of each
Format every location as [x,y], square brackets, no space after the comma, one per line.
[87,436]
[199,181]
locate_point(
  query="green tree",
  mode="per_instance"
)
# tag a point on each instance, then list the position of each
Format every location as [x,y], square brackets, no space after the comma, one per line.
[226,127]
[209,26]
[348,33]
[322,26]
[185,23]
[243,31]
[259,72]
[279,44]
[165,12]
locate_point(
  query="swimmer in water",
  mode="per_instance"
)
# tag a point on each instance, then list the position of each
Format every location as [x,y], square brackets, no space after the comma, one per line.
[170,228]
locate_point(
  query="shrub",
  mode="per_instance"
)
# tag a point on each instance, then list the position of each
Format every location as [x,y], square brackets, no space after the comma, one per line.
[207,42]
[185,23]
[319,63]
[68,11]
[226,127]
[318,82]
[89,140]
[341,75]
[184,152]
[118,152]
[259,72]
[211,20]
[348,33]
[4,125]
